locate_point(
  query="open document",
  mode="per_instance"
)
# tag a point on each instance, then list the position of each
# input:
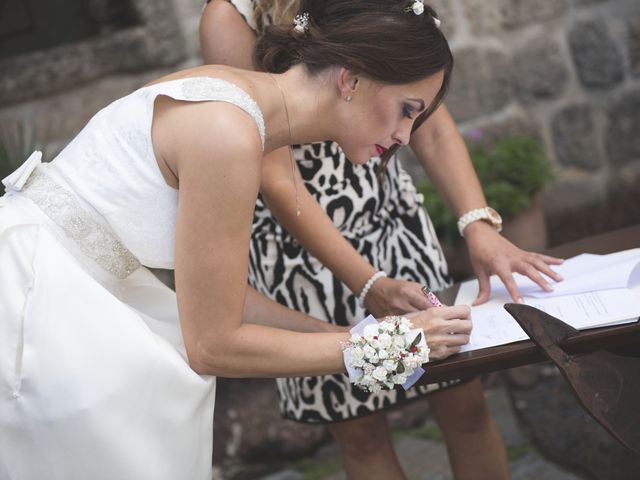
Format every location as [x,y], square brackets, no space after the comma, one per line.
[597,291]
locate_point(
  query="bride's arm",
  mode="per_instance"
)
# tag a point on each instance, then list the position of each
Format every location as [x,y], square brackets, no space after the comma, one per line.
[215,150]
[279,316]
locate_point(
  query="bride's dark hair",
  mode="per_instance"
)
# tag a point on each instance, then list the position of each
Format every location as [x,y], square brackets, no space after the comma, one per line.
[383,40]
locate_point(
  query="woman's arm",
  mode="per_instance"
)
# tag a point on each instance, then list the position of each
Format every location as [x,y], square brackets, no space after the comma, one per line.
[227,39]
[444,156]
[215,150]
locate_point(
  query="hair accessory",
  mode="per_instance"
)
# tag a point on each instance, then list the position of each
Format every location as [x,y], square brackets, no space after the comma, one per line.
[301,22]
[416,7]
[382,355]
[367,286]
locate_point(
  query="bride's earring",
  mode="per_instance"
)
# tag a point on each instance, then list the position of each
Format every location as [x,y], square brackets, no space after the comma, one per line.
[348,98]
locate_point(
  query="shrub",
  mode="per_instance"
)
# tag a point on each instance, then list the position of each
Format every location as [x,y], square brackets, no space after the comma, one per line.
[511,172]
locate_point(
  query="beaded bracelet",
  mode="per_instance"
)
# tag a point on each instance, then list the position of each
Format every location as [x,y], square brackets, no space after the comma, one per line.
[367,286]
[382,355]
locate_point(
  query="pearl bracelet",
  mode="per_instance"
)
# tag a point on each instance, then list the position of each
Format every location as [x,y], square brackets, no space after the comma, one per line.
[380,356]
[367,286]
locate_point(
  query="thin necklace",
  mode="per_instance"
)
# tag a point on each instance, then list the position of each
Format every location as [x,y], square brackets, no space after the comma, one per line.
[293,163]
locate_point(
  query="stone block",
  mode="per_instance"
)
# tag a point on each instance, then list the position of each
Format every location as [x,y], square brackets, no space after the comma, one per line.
[445,14]
[518,13]
[498,15]
[249,433]
[157,42]
[480,85]
[489,132]
[585,3]
[596,55]
[574,138]
[623,140]
[539,70]
[633,44]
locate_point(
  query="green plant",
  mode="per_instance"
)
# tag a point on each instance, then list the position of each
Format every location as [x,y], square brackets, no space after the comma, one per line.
[511,172]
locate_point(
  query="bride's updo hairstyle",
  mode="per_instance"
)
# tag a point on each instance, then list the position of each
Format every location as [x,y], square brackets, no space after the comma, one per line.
[383,40]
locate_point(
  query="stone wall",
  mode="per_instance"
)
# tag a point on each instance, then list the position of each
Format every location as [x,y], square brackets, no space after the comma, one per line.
[567,72]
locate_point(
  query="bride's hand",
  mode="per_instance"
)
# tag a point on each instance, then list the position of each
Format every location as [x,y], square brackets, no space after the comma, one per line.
[446,329]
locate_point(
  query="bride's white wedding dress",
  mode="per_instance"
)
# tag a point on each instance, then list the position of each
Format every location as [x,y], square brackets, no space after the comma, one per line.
[94,380]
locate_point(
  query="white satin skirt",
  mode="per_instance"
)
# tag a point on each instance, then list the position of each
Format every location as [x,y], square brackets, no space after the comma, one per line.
[94,381]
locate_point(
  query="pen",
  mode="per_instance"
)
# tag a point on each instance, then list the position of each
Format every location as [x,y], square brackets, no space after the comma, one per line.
[431,297]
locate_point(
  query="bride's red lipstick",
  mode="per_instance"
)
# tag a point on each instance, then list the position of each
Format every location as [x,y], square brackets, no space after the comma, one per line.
[380,149]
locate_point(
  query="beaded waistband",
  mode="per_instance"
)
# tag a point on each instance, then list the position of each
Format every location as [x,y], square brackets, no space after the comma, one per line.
[94,239]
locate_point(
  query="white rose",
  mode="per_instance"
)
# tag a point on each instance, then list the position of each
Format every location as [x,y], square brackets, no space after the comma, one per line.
[388,326]
[398,342]
[384,340]
[390,365]
[380,373]
[405,327]
[357,357]
[418,7]
[369,351]
[383,354]
[399,379]
[371,331]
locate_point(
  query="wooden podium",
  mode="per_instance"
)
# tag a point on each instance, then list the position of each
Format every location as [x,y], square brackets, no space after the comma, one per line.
[619,338]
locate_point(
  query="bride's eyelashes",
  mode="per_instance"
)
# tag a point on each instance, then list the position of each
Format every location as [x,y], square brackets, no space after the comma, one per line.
[407,111]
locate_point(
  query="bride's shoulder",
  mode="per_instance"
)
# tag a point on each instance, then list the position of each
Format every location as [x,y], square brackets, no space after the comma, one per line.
[204,129]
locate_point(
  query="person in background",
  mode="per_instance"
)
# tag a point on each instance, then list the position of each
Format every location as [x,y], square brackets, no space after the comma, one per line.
[302,260]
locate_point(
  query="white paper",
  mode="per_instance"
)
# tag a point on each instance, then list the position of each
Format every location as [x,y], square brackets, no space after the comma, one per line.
[492,325]
[583,273]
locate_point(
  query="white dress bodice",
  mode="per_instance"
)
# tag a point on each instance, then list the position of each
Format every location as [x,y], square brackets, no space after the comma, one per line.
[112,169]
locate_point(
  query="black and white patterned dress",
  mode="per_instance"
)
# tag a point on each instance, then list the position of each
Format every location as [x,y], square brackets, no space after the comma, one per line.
[385,222]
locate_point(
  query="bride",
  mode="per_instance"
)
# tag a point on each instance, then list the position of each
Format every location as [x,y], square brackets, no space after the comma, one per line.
[104,372]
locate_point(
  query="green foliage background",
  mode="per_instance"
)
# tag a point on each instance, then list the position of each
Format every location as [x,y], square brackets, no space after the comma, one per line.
[511,172]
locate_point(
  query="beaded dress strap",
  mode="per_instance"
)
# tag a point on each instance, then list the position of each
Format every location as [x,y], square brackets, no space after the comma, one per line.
[212,89]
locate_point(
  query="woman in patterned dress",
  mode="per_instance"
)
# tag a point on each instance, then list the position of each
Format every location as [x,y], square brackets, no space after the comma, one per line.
[385,222]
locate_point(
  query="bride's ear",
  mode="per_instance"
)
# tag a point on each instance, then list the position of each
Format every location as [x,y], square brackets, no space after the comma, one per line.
[347,83]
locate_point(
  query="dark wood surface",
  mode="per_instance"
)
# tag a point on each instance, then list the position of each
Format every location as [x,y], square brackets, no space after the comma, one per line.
[522,353]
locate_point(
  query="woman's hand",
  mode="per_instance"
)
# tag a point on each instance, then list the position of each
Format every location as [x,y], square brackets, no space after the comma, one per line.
[388,296]
[446,329]
[491,253]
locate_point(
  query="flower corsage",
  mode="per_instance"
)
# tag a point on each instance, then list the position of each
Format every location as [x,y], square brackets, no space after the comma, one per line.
[382,355]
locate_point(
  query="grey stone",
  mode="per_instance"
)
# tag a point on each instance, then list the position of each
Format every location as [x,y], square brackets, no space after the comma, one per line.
[596,55]
[249,433]
[623,140]
[480,84]
[567,435]
[445,14]
[157,42]
[633,40]
[585,3]
[489,132]
[499,15]
[574,138]
[534,467]
[517,13]
[539,71]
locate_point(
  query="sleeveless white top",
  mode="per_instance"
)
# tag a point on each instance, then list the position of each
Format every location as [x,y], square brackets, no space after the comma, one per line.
[112,169]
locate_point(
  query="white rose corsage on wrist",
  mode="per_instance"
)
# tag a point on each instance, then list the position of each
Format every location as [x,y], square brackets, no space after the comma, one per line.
[382,355]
